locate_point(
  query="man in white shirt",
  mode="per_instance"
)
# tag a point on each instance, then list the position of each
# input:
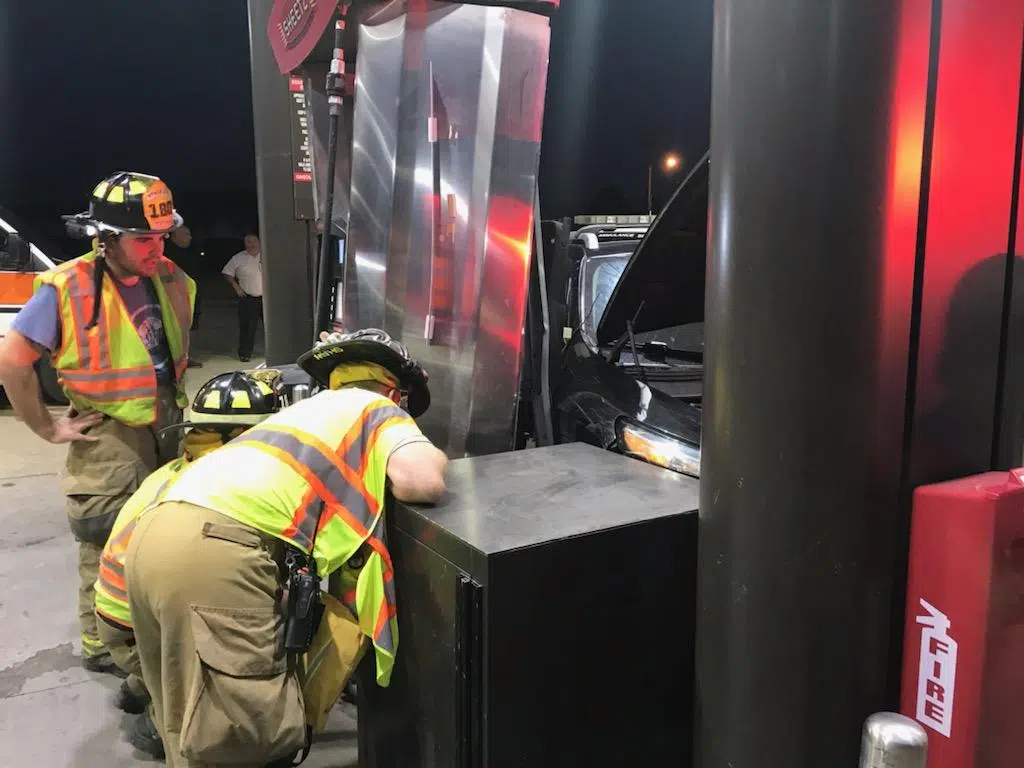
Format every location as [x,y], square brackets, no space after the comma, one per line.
[244,271]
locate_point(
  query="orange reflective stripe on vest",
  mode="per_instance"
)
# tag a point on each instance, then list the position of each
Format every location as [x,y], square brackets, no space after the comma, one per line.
[111,591]
[178,296]
[106,386]
[383,635]
[111,572]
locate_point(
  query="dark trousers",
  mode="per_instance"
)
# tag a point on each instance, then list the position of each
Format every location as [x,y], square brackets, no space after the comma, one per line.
[198,307]
[250,314]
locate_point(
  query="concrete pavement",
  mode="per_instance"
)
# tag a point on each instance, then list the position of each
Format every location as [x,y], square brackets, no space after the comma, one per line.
[52,712]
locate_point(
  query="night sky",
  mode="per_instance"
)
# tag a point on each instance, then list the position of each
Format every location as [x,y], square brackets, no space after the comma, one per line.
[628,80]
[92,87]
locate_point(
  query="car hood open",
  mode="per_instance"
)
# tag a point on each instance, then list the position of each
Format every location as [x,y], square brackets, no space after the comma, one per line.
[663,283]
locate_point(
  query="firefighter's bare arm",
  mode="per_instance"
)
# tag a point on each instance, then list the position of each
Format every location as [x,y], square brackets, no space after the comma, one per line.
[416,472]
[18,376]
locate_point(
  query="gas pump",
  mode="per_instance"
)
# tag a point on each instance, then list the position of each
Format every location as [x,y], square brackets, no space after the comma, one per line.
[327,266]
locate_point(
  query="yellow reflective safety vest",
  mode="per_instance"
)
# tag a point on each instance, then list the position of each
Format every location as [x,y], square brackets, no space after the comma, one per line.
[108,368]
[331,448]
[111,591]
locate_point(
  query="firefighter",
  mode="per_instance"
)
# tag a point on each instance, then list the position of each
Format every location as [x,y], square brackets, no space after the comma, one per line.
[115,323]
[223,408]
[207,564]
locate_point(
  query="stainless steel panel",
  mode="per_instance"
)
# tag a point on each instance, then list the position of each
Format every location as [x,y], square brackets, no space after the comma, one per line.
[468,111]
[506,268]
[410,115]
[374,142]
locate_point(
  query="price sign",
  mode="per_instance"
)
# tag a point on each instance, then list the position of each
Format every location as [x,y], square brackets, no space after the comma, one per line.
[302,157]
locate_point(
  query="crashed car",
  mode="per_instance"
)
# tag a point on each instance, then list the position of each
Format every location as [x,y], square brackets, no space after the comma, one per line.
[630,377]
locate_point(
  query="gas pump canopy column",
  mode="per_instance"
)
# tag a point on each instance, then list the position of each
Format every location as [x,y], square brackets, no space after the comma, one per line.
[858,318]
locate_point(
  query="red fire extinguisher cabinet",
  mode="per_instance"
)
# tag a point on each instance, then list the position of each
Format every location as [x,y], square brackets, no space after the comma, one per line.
[963,660]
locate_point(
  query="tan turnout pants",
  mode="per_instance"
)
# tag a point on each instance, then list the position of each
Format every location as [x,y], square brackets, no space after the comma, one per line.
[99,477]
[203,591]
[120,643]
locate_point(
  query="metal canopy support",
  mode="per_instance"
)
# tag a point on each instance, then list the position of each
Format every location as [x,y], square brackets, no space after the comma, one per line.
[798,512]
[538,327]
[287,293]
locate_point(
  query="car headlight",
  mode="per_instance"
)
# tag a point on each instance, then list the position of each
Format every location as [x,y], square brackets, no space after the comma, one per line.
[657,447]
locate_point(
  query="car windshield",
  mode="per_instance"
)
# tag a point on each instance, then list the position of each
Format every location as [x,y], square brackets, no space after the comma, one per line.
[599,274]
[604,276]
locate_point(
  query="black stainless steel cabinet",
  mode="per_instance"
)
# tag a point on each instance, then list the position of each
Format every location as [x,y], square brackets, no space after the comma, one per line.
[546,613]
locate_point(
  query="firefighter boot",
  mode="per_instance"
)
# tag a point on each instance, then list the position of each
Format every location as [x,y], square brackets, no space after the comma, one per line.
[130,699]
[102,663]
[349,693]
[146,738]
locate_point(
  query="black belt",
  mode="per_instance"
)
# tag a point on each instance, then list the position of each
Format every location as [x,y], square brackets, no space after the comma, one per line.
[120,626]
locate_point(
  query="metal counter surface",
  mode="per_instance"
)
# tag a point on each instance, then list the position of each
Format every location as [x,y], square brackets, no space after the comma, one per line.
[526,505]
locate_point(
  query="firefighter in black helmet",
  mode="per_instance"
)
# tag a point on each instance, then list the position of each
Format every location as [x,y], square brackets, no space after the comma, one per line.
[115,323]
[222,410]
[291,501]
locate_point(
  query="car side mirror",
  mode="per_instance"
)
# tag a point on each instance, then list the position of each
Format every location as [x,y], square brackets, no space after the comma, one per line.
[18,252]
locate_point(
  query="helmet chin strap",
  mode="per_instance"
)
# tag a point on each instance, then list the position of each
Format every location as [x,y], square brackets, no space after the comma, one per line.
[97,287]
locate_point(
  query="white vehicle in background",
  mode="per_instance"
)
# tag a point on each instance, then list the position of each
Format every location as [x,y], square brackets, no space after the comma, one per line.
[20,262]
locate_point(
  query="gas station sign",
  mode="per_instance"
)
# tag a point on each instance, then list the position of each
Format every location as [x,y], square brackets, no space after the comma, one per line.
[295,27]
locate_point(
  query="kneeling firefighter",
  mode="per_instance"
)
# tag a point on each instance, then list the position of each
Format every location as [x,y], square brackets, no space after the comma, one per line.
[223,409]
[223,573]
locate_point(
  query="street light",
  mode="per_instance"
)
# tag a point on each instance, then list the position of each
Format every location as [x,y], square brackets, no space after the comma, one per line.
[670,163]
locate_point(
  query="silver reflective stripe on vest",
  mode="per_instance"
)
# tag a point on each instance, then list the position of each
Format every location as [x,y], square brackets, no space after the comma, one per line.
[312,458]
[76,294]
[384,638]
[376,417]
[114,591]
[307,523]
[158,496]
[106,375]
[323,466]
[121,394]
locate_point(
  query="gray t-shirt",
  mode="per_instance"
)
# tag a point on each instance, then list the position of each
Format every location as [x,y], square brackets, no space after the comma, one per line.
[39,321]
